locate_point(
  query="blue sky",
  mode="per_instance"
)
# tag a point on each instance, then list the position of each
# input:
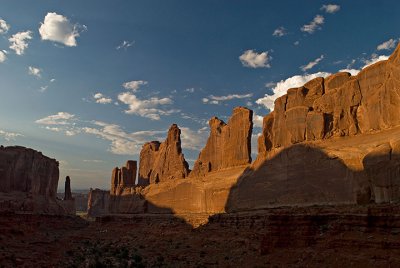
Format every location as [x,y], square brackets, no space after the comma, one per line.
[87,82]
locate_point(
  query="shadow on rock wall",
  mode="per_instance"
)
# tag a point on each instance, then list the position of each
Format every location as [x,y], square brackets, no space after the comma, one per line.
[301,175]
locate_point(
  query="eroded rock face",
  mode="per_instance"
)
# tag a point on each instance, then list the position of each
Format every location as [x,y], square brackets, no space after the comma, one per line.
[28,182]
[162,162]
[98,203]
[228,145]
[124,177]
[339,105]
[26,170]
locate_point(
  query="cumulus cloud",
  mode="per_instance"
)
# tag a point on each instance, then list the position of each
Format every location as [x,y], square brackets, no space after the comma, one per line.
[34,71]
[59,29]
[100,98]
[61,118]
[281,88]
[280,31]
[4,27]
[313,25]
[134,85]
[252,59]
[10,136]
[257,120]
[193,140]
[125,45]
[19,42]
[374,59]
[146,108]
[311,64]
[330,8]
[217,99]
[389,44]
[3,56]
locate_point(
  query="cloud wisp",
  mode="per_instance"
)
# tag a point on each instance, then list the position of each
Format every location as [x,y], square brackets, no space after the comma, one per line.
[314,25]
[389,44]
[4,27]
[19,42]
[134,85]
[311,64]
[218,99]
[280,31]
[35,71]
[125,45]
[10,136]
[330,8]
[100,98]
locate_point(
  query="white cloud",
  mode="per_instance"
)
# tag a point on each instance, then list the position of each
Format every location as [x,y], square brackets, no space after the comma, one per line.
[313,25]
[59,29]
[351,71]
[4,27]
[217,99]
[35,71]
[280,31]
[193,140]
[389,44]
[134,85]
[61,118]
[257,120]
[296,43]
[270,84]
[281,88]
[100,98]
[374,59]
[145,108]
[190,90]
[125,45]
[311,64]
[330,8]
[10,136]
[3,56]
[252,59]
[52,80]
[19,41]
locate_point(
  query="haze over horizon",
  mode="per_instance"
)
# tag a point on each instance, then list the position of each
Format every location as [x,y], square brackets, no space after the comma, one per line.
[88,83]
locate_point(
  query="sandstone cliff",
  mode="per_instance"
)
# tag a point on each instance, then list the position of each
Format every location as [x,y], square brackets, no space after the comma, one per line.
[28,182]
[124,177]
[339,105]
[165,161]
[228,145]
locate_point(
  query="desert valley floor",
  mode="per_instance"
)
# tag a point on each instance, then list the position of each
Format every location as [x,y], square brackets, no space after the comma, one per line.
[341,236]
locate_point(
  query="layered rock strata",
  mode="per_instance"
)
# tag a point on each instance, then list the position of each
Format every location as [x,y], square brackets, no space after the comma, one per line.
[228,145]
[160,162]
[339,105]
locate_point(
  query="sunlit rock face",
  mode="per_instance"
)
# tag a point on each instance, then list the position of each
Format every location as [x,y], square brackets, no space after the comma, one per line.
[228,145]
[164,161]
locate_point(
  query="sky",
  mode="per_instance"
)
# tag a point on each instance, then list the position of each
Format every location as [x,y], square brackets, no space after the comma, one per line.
[88,82]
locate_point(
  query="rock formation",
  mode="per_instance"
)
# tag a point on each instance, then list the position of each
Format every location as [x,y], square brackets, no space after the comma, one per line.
[228,145]
[28,182]
[98,203]
[339,105]
[147,159]
[124,177]
[67,192]
[26,170]
[165,161]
